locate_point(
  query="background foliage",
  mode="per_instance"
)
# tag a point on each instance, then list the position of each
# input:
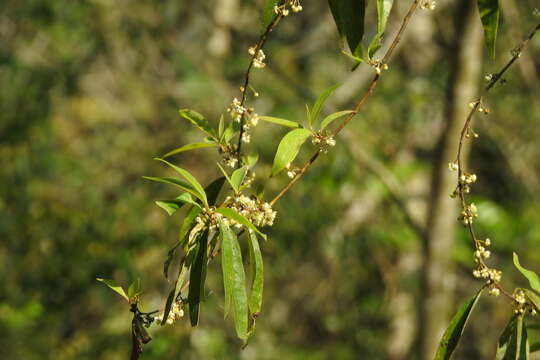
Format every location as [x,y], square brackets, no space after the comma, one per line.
[89,95]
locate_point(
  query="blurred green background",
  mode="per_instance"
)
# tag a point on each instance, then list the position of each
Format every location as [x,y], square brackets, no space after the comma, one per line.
[89,93]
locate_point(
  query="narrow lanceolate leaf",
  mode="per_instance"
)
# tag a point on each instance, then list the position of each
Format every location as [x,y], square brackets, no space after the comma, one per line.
[280,121]
[115,287]
[234,279]
[227,177]
[513,343]
[197,279]
[199,121]
[171,206]
[238,176]
[288,149]
[534,281]
[233,215]
[349,17]
[268,14]
[453,333]
[177,182]
[257,275]
[490,15]
[316,110]
[383,11]
[190,179]
[332,117]
[189,147]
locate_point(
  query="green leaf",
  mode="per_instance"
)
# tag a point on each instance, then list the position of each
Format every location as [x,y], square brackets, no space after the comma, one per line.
[171,206]
[234,279]
[190,147]
[453,333]
[177,182]
[238,176]
[233,186]
[197,278]
[513,343]
[279,121]
[534,282]
[257,275]
[535,347]
[490,15]
[349,17]
[330,118]
[268,14]
[383,11]
[115,287]
[233,215]
[250,160]
[533,298]
[190,179]
[288,149]
[316,110]
[221,128]
[134,289]
[199,121]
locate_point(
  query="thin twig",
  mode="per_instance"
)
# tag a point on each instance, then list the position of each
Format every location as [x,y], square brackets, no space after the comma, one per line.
[359,105]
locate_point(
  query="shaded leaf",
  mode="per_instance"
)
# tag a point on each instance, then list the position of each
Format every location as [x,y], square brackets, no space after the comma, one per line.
[533,298]
[288,149]
[453,333]
[535,347]
[280,121]
[268,14]
[234,279]
[534,282]
[113,285]
[199,121]
[332,117]
[490,15]
[513,343]
[233,215]
[349,17]
[189,147]
[233,186]
[316,110]
[190,179]
[257,274]
[197,278]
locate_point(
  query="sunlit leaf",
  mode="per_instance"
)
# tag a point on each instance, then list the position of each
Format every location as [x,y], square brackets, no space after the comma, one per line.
[234,279]
[171,206]
[251,159]
[490,15]
[453,333]
[279,121]
[115,287]
[534,281]
[383,11]
[349,17]
[332,117]
[189,147]
[288,149]
[199,121]
[315,111]
[134,289]
[533,298]
[197,278]
[233,215]
[229,180]
[177,182]
[238,176]
[257,274]
[190,179]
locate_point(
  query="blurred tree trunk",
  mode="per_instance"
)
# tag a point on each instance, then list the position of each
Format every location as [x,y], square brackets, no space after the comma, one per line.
[438,275]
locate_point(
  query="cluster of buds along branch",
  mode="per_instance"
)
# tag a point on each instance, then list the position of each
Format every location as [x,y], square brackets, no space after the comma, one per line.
[428,5]
[176,313]
[257,212]
[324,140]
[258,57]
[294,5]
